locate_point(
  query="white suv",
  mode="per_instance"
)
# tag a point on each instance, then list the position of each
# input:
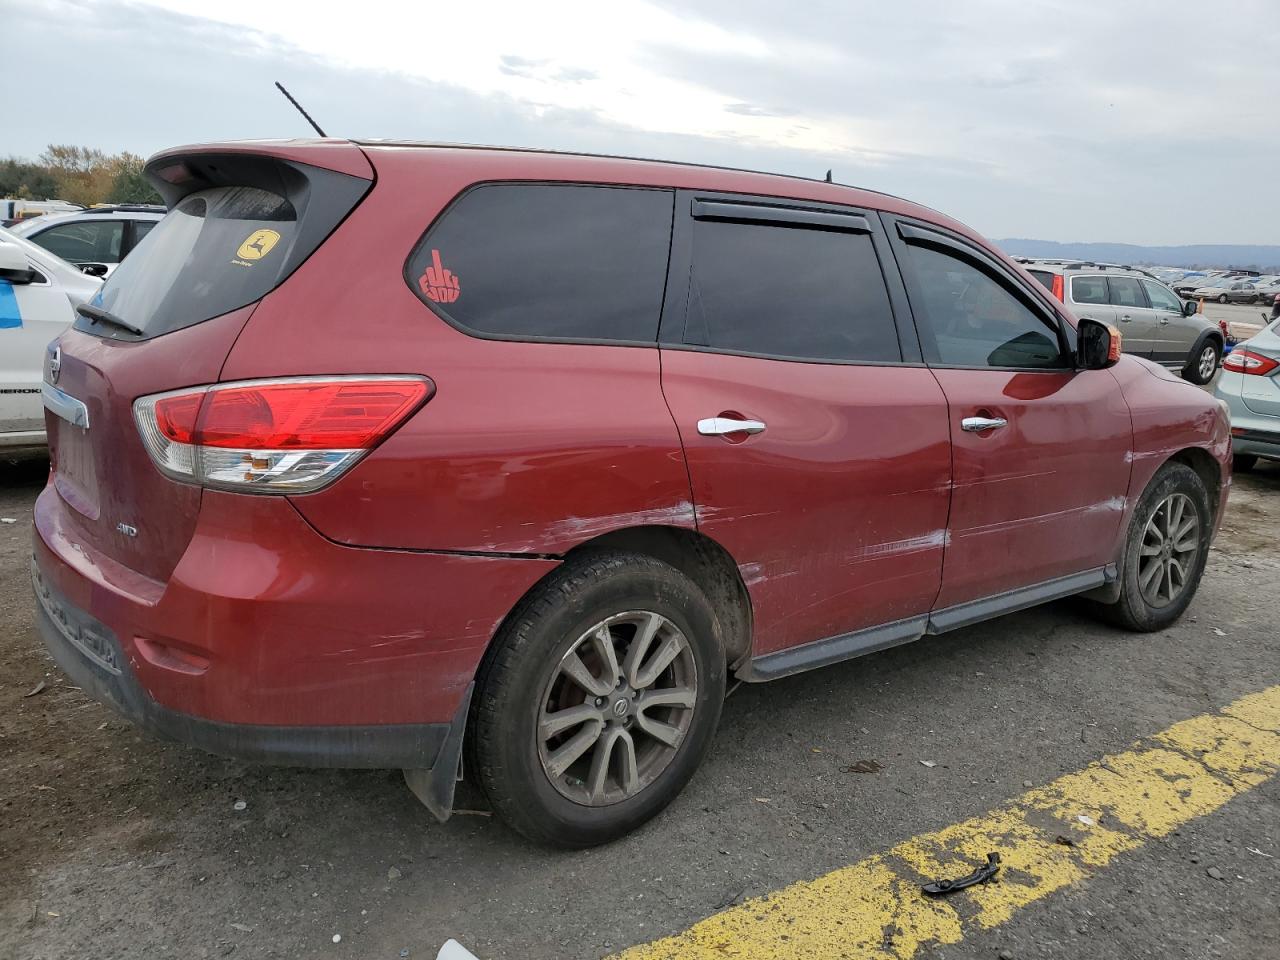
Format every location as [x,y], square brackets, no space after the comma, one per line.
[38,297]
[99,235]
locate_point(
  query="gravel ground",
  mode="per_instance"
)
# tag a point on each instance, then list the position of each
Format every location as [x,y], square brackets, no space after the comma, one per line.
[113,845]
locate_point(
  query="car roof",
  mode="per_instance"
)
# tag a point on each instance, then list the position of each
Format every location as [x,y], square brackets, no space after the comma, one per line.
[93,213]
[568,165]
[1076,267]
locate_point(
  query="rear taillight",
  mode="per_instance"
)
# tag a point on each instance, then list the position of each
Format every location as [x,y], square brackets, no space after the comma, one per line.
[274,436]
[1058,287]
[1242,361]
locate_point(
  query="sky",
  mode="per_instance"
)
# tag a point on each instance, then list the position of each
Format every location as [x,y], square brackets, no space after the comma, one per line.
[1139,121]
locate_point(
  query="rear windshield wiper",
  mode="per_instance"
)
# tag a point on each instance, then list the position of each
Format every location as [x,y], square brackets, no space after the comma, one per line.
[98,315]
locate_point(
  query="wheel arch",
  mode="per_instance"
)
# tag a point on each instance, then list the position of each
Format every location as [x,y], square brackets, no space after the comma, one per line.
[1207,468]
[701,559]
[697,556]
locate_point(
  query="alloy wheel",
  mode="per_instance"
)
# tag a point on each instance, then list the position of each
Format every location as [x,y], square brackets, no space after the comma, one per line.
[1170,544]
[616,708]
[1208,362]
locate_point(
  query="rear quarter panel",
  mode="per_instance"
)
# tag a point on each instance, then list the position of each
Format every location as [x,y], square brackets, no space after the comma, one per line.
[529,448]
[1171,416]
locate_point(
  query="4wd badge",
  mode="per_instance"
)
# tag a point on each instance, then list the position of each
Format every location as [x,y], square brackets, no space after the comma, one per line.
[258,245]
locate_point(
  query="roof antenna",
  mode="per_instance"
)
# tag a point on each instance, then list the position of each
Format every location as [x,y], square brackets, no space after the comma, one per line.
[298,106]
[827,178]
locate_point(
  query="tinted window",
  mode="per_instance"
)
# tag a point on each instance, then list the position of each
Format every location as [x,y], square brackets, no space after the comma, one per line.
[141,228]
[89,241]
[219,249]
[1045,278]
[789,292]
[1161,297]
[557,261]
[1089,289]
[975,320]
[1126,292]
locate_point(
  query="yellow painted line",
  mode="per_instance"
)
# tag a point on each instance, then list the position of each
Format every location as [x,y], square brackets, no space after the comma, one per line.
[874,909]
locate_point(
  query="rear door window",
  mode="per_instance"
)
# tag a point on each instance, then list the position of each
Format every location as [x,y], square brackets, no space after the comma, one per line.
[1125,292]
[549,262]
[783,291]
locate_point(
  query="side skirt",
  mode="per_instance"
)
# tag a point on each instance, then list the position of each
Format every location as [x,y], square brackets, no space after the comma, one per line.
[821,653]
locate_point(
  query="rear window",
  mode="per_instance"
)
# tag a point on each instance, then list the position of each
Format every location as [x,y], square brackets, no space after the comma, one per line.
[218,250]
[1044,277]
[549,261]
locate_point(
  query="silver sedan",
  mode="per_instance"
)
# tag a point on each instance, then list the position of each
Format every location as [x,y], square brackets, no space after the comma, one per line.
[1250,386]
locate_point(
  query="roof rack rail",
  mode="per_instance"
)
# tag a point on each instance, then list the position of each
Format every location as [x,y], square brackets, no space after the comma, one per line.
[127,208]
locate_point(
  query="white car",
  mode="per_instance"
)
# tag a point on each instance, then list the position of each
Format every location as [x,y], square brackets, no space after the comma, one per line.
[38,297]
[99,235]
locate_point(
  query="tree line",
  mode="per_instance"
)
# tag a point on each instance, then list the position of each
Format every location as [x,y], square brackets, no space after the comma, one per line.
[83,175]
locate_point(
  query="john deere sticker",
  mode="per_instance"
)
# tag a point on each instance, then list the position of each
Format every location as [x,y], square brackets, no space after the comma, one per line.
[258,245]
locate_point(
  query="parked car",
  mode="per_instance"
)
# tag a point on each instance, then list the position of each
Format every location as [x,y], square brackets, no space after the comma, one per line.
[1267,290]
[533,464]
[38,294]
[1194,281]
[1236,291]
[99,235]
[14,211]
[1155,323]
[1250,386]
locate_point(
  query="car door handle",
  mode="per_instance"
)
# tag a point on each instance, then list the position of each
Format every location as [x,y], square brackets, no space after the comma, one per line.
[1126,318]
[1164,319]
[980,424]
[721,426]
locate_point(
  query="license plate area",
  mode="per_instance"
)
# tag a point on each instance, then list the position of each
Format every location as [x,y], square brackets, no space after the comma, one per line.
[88,636]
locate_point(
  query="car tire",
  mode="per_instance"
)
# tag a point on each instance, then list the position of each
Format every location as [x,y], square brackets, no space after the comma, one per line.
[1149,598]
[1223,299]
[1243,462]
[637,759]
[1202,364]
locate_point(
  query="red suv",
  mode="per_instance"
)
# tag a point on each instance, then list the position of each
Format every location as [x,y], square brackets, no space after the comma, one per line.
[373,452]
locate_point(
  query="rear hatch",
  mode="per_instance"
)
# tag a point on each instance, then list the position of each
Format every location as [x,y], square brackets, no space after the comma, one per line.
[241,220]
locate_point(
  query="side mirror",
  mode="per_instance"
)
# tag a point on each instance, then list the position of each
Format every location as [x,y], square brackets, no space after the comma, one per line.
[13,264]
[94,269]
[1189,308]
[1098,345]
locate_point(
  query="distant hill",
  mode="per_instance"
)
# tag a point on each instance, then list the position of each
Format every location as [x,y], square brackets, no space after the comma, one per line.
[1244,256]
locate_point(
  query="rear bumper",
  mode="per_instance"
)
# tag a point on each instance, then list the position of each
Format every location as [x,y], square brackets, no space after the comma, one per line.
[1252,433]
[1257,444]
[23,440]
[91,656]
[270,643]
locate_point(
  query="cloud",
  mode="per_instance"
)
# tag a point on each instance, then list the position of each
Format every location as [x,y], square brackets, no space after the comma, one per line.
[1058,119]
[751,110]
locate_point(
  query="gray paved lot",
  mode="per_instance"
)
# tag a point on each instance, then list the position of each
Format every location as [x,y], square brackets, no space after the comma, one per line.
[112,845]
